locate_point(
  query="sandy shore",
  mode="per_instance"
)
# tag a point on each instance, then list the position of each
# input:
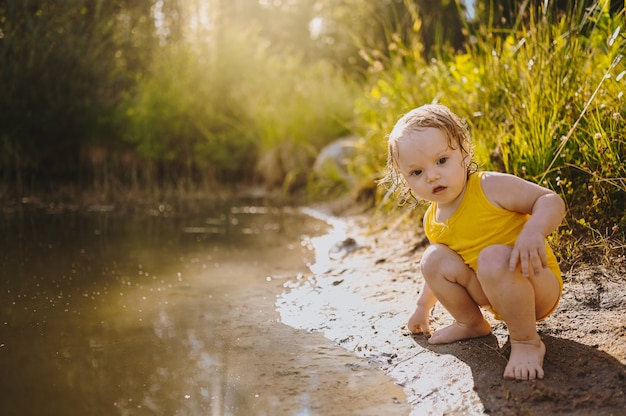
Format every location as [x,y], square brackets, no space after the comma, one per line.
[363,286]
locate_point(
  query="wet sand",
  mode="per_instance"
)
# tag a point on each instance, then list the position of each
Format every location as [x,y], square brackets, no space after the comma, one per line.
[363,297]
[280,370]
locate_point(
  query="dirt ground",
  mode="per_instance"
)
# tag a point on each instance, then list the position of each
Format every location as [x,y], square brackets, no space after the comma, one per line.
[363,286]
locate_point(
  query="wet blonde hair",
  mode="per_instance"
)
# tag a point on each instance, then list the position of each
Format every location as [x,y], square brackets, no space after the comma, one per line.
[429,115]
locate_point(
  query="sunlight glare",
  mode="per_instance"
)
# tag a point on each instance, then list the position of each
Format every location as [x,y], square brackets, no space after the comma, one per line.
[321,245]
[199,16]
[159,21]
[316,27]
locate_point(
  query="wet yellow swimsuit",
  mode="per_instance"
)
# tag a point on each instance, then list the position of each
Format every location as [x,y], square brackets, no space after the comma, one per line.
[477,224]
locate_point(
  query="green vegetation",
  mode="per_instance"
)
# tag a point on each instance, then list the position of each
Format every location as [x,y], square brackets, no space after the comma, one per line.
[545,101]
[117,96]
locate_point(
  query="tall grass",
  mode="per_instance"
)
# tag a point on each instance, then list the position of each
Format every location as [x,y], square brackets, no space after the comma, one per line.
[544,101]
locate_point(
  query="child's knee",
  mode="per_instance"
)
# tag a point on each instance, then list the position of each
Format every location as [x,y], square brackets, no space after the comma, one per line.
[493,262]
[436,260]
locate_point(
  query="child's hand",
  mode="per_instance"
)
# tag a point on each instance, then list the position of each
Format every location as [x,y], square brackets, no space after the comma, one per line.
[529,252]
[418,322]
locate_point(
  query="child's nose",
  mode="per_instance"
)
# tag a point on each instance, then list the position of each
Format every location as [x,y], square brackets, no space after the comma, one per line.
[431,175]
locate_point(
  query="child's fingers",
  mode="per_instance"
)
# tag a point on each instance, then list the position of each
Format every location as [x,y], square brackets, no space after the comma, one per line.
[421,328]
[534,260]
[544,257]
[521,258]
[416,329]
[539,260]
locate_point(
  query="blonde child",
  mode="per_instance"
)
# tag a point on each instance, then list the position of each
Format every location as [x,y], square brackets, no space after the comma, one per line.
[488,238]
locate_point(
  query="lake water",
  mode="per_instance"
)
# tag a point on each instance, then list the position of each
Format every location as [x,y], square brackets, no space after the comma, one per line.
[164,314]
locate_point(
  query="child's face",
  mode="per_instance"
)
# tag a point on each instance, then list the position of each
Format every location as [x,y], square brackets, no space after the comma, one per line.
[432,169]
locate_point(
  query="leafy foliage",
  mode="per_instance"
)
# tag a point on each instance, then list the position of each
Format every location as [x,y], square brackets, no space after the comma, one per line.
[63,66]
[545,102]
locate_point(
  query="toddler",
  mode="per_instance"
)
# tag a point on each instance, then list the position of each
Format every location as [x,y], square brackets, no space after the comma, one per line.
[487,233]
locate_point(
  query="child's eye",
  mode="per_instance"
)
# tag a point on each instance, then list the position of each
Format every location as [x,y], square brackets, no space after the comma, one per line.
[442,160]
[416,172]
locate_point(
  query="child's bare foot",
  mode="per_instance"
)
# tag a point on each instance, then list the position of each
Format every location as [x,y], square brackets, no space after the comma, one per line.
[458,331]
[526,360]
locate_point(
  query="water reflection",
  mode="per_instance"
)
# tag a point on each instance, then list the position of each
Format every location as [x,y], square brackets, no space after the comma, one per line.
[101,314]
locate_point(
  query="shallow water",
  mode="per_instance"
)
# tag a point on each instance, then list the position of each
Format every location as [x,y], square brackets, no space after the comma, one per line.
[164,314]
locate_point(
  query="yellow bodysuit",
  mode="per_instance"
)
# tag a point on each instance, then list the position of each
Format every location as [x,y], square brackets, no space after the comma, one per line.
[477,224]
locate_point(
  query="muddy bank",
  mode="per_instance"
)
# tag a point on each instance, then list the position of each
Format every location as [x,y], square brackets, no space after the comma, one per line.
[360,296]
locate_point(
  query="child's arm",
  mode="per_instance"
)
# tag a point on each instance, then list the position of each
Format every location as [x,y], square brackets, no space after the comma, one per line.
[419,321]
[546,211]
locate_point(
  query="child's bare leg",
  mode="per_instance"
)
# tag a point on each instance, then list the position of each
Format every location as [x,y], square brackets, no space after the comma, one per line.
[455,285]
[519,300]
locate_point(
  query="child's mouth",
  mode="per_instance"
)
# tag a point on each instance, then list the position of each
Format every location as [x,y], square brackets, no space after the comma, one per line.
[439,189]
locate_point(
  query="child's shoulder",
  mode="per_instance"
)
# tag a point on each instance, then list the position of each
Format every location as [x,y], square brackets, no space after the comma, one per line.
[511,192]
[494,174]
[496,179]
[497,185]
